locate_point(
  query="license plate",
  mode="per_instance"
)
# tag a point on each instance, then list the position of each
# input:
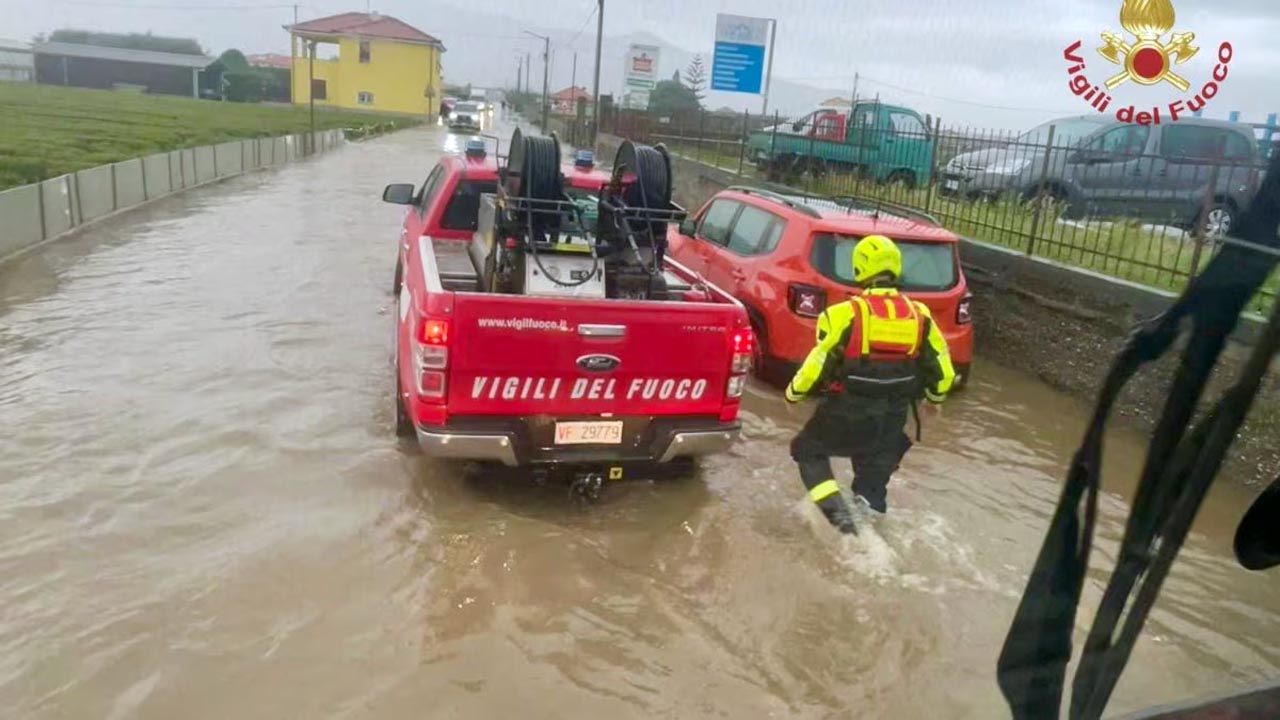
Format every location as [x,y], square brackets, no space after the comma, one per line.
[952,185]
[607,432]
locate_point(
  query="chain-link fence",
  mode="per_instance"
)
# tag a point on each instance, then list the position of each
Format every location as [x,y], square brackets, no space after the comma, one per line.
[1142,203]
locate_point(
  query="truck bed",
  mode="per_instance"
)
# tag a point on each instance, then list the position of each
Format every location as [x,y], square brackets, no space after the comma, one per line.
[458,271]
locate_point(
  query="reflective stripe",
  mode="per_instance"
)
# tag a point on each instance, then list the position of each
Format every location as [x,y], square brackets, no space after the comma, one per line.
[864,329]
[823,490]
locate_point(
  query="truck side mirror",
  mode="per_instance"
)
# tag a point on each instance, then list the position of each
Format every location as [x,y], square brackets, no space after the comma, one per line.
[398,194]
[688,227]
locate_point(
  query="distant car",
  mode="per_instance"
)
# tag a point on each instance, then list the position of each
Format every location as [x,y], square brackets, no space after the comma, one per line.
[1104,167]
[786,258]
[465,116]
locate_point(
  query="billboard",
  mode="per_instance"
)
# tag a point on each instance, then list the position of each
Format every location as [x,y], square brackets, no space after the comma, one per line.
[641,69]
[738,62]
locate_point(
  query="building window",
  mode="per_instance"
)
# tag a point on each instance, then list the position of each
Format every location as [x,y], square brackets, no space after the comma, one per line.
[364,98]
[319,90]
[364,51]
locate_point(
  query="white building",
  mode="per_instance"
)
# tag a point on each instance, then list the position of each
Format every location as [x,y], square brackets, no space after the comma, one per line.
[17,62]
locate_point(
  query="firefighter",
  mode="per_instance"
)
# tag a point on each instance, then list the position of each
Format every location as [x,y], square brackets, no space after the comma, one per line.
[876,355]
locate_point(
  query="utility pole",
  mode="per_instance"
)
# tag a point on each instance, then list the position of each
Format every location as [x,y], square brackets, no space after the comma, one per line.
[528,67]
[546,77]
[311,95]
[595,86]
[853,102]
[293,60]
[573,78]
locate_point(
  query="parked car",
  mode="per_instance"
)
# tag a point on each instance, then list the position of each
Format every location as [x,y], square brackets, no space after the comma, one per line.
[888,143]
[787,257]
[1099,166]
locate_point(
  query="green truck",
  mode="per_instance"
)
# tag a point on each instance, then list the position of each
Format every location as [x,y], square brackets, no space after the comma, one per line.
[886,143]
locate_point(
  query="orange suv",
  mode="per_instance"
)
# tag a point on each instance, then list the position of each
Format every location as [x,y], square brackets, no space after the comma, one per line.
[787,257]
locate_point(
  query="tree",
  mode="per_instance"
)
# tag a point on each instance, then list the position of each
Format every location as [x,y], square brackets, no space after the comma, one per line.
[695,77]
[234,61]
[672,98]
[131,41]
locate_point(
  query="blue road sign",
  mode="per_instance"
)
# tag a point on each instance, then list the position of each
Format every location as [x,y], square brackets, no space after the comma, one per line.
[738,62]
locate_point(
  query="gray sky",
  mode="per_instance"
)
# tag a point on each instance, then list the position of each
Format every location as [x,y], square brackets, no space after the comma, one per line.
[989,63]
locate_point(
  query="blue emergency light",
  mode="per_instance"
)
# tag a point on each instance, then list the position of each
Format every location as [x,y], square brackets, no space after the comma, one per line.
[475,147]
[584,159]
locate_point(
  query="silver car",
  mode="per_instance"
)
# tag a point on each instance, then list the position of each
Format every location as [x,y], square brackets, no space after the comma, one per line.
[1098,166]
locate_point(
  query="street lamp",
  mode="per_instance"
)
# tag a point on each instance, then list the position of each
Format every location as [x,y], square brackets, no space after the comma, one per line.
[546,60]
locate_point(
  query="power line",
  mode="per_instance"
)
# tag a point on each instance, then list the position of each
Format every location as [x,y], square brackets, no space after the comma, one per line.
[578,34]
[920,93]
[133,6]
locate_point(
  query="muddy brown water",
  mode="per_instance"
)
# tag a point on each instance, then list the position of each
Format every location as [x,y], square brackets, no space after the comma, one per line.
[204,513]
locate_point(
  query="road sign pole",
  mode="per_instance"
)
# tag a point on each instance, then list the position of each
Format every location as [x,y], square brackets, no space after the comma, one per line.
[768,74]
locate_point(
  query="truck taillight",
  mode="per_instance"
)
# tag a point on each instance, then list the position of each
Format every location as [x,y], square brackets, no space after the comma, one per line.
[743,342]
[964,312]
[806,300]
[433,332]
[431,357]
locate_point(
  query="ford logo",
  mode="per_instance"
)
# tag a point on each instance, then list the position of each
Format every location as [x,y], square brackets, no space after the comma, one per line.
[598,363]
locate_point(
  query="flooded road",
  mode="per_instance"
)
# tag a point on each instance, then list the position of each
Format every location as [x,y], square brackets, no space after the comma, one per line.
[204,513]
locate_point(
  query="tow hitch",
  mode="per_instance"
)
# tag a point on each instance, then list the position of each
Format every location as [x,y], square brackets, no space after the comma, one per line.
[586,486]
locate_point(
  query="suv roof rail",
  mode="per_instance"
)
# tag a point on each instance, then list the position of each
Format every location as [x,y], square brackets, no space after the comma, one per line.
[892,207]
[776,197]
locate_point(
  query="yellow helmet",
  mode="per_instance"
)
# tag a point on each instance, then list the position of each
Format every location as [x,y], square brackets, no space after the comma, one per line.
[876,255]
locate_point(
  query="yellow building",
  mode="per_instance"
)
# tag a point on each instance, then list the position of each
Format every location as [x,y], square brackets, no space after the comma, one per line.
[380,63]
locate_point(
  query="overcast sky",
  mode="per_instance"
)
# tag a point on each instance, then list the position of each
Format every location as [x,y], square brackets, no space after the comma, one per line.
[982,62]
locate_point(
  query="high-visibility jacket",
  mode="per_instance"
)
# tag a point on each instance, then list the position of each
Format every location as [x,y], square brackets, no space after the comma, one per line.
[881,344]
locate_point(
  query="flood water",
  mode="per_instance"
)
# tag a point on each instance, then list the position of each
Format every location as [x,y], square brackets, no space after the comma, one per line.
[204,513]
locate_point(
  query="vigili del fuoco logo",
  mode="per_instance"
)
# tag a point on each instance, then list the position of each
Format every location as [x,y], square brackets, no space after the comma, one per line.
[1147,54]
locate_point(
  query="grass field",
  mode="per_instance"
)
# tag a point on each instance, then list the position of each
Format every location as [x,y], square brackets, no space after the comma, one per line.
[46,131]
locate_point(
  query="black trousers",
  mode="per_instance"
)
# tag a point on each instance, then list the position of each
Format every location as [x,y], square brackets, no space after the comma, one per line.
[868,431]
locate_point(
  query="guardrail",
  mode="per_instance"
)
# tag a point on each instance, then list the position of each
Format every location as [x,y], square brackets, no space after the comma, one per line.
[39,212]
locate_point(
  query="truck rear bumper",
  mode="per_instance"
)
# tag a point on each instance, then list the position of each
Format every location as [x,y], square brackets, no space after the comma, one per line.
[512,447]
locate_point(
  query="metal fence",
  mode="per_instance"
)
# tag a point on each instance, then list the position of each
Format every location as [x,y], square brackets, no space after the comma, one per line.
[1148,204]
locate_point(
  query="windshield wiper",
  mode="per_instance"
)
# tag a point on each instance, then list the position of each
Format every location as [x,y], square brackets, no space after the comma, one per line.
[1180,467]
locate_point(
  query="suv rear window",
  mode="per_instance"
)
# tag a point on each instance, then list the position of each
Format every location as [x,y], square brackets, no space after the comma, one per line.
[463,211]
[926,266]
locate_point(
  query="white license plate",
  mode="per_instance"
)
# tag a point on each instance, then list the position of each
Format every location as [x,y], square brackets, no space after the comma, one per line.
[953,185]
[586,433]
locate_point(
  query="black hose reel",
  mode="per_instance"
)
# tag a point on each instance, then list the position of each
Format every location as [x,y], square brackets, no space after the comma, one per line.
[648,169]
[533,172]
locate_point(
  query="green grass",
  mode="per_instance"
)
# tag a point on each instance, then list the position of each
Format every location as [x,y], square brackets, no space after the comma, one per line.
[49,130]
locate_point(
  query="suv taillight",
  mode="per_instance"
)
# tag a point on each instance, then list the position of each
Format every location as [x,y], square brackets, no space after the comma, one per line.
[964,313]
[806,300]
[431,356]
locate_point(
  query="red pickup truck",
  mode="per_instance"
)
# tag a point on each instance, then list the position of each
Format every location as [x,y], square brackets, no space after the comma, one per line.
[529,379]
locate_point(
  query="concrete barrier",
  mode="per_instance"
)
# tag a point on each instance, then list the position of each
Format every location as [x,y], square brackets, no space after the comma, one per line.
[96,192]
[206,164]
[155,176]
[227,159]
[175,170]
[22,226]
[58,205]
[128,180]
[41,211]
